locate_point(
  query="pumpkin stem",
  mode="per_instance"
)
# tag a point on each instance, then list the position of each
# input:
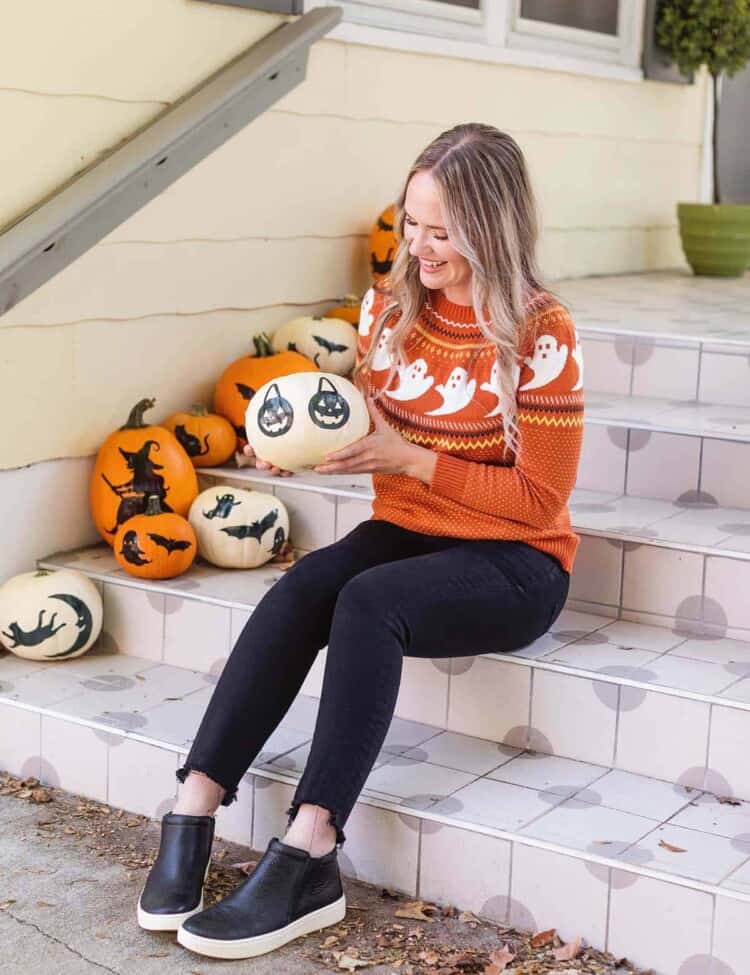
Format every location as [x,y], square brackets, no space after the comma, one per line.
[153,505]
[351,300]
[135,419]
[262,345]
[198,409]
[41,572]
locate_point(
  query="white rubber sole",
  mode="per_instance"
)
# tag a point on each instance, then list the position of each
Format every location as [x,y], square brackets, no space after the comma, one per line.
[262,943]
[168,922]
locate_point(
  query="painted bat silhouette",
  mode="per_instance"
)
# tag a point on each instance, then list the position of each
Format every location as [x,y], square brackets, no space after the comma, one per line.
[381,267]
[278,541]
[328,346]
[384,225]
[246,392]
[170,544]
[291,347]
[190,442]
[32,638]
[130,550]
[255,530]
[224,504]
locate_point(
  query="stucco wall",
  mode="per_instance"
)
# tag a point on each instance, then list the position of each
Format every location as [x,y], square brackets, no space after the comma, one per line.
[276,222]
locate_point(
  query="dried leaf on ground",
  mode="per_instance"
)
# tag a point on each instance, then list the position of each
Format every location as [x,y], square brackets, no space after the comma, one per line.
[417,911]
[729,801]
[543,938]
[351,964]
[246,866]
[569,951]
[499,960]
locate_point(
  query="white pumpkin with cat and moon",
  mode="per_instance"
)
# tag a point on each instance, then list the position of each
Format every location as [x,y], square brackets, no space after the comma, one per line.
[50,616]
[330,343]
[294,421]
[237,528]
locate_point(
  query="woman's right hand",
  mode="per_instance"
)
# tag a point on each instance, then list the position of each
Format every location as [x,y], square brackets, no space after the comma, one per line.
[264,464]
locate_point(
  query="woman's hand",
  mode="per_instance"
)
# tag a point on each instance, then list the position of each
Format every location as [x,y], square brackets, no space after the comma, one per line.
[384,451]
[264,464]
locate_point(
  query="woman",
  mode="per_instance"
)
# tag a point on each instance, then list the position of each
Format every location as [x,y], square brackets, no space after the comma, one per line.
[474,454]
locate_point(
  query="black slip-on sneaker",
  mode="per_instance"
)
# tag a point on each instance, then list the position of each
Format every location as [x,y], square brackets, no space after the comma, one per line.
[288,894]
[174,887]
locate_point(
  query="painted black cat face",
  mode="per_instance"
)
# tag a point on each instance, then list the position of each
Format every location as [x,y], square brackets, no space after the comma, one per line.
[327,408]
[276,415]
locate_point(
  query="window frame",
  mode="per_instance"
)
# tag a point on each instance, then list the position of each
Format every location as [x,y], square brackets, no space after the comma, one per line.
[494,33]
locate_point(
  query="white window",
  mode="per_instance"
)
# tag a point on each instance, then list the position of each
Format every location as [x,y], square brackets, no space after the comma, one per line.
[601,37]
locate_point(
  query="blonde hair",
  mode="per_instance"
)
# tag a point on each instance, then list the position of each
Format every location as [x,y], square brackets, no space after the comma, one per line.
[490,217]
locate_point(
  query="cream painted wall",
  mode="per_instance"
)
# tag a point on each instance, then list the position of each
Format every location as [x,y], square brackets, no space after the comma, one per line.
[275,223]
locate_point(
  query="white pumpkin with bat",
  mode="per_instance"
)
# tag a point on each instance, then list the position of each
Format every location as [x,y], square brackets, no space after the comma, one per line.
[293,421]
[49,616]
[237,528]
[329,342]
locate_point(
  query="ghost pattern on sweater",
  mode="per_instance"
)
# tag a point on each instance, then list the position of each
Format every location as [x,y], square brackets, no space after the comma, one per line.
[446,395]
[552,364]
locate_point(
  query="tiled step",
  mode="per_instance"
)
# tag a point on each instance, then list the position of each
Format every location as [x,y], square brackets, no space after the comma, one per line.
[641,867]
[665,334]
[683,563]
[646,699]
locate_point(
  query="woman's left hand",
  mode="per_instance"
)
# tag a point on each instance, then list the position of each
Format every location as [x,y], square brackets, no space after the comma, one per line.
[384,451]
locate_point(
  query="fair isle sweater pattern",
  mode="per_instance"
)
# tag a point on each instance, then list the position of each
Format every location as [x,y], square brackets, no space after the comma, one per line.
[445,396]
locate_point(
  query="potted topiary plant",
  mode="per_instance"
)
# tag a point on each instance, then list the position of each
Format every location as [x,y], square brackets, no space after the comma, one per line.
[715,236]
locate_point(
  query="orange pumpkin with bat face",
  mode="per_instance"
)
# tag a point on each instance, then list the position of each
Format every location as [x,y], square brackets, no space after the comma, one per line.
[157,544]
[133,462]
[384,243]
[237,384]
[208,438]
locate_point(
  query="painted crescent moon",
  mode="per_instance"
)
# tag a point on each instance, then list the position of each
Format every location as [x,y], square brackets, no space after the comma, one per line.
[84,622]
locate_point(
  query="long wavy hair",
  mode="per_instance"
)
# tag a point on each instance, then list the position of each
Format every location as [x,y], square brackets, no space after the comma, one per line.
[490,217]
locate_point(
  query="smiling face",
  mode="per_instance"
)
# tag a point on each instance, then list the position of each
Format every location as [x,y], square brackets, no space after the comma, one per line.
[425,233]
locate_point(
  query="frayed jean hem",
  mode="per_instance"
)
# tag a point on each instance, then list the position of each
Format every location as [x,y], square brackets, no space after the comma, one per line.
[230,792]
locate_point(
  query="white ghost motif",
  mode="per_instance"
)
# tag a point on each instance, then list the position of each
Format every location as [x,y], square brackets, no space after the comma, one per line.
[547,362]
[456,392]
[493,385]
[365,313]
[577,354]
[381,358]
[413,380]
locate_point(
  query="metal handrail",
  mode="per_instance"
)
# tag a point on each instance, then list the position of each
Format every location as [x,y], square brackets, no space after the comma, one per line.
[91,204]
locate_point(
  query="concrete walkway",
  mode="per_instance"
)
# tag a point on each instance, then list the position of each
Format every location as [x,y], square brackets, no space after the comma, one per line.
[72,871]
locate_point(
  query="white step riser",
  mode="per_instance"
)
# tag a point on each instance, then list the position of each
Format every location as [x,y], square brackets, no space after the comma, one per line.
[674,467]
[662,367]
[648,583]
[675,927]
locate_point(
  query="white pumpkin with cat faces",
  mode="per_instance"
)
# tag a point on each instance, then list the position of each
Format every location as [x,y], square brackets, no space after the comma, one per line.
[294,421]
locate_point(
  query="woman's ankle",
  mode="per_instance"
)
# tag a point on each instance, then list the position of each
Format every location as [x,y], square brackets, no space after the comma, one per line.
[198,795]
[311,830]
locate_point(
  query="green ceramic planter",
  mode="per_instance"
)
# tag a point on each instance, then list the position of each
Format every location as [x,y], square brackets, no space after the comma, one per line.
[716,237]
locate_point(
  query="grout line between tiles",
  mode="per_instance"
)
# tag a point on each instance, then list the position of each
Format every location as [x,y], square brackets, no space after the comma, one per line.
[617,725]
[418,879]
[698,372]
[511,858]
[607,912]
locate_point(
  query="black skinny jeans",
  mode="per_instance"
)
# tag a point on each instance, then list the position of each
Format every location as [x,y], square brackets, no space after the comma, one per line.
[377,594]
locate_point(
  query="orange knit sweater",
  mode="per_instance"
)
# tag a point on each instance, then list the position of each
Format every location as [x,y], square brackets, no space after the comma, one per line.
[444,397]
